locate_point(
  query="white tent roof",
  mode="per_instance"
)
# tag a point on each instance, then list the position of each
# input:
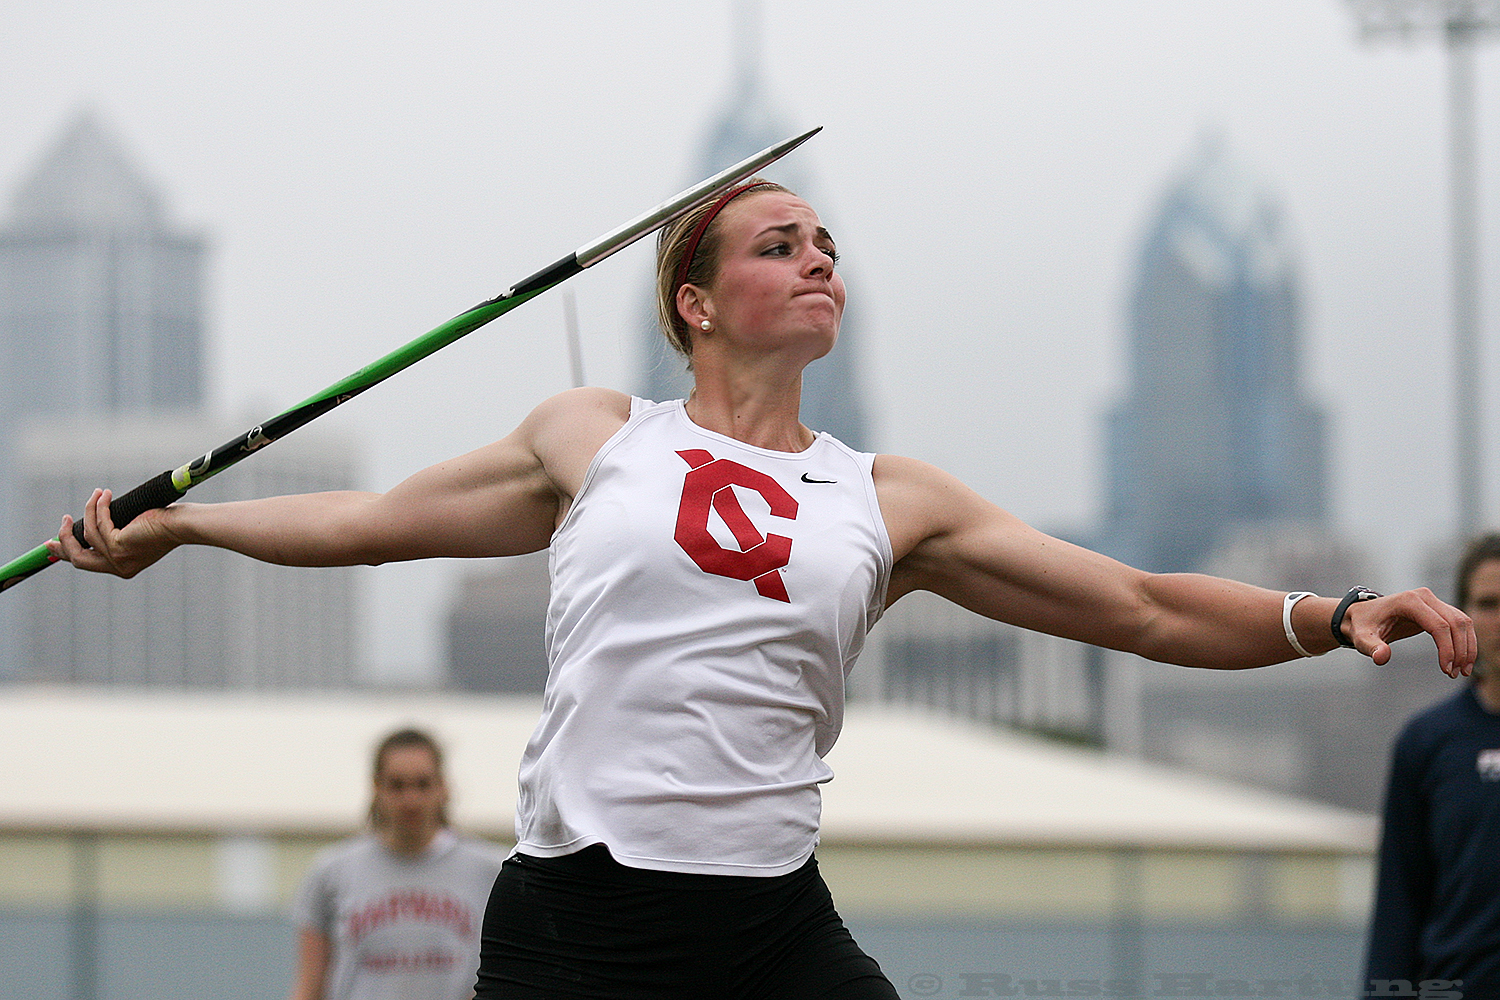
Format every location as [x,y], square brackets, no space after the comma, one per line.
[290,763]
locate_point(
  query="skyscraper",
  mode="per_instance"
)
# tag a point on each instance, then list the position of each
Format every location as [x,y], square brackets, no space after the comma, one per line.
[102,336]
[1219,463]
[1216,433]
[832,398]
[100,298]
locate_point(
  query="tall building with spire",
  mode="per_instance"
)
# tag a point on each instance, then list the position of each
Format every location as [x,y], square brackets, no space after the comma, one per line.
[103,341]
[1216,433]
[832,397]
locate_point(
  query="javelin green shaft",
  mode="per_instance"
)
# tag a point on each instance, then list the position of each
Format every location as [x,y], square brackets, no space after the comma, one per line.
[409,354]
[23,566]
[242,447]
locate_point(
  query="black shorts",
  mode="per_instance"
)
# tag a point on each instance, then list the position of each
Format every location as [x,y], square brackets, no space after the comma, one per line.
[584,926]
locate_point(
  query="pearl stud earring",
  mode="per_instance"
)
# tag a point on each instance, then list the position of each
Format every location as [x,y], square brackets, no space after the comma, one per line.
[706,326]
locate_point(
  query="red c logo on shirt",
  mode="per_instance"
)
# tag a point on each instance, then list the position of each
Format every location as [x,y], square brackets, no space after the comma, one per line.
[709,487]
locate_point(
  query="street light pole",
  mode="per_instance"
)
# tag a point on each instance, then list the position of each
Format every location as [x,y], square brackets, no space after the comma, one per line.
[1461,24]
[1461,37]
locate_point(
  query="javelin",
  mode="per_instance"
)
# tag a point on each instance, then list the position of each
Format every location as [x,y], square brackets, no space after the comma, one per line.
[172,485]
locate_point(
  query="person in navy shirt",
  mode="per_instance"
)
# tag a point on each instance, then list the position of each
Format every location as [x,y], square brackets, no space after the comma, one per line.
[1437,897]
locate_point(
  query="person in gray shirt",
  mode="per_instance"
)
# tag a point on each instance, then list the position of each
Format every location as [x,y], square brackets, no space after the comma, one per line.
[394,914]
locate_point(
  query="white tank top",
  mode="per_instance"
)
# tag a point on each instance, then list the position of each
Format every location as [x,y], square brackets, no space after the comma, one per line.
[708,600]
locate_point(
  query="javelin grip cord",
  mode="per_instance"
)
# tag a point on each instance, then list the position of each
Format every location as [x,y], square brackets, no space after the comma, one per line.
[155,492]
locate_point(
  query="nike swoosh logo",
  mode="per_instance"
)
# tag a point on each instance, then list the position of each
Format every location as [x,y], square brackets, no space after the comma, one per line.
[808,479]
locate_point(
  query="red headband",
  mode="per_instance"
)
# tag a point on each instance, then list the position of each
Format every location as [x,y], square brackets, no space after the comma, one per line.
[702,227]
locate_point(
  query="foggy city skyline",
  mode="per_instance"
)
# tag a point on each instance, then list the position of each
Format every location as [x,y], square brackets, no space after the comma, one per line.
[989,174]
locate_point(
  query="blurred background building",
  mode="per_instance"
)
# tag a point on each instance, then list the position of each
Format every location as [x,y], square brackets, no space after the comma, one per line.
[103,337]
[497,628]
[1216,433]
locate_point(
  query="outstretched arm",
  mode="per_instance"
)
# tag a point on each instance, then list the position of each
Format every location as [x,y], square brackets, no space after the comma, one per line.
[502,499]
[949,540]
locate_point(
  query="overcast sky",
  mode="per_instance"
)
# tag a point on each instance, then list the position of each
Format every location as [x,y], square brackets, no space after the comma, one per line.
[988,170]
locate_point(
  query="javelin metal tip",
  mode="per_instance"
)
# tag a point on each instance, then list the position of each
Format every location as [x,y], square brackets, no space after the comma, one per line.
[664,213]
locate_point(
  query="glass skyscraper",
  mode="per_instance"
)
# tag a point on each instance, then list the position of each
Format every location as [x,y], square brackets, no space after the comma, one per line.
[1216,433]
[832,399]
[100,299]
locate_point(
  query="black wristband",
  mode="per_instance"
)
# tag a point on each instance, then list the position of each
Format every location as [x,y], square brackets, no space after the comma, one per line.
[1355,595]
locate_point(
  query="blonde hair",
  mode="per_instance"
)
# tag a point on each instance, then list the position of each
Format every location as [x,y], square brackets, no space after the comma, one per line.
[673,244]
